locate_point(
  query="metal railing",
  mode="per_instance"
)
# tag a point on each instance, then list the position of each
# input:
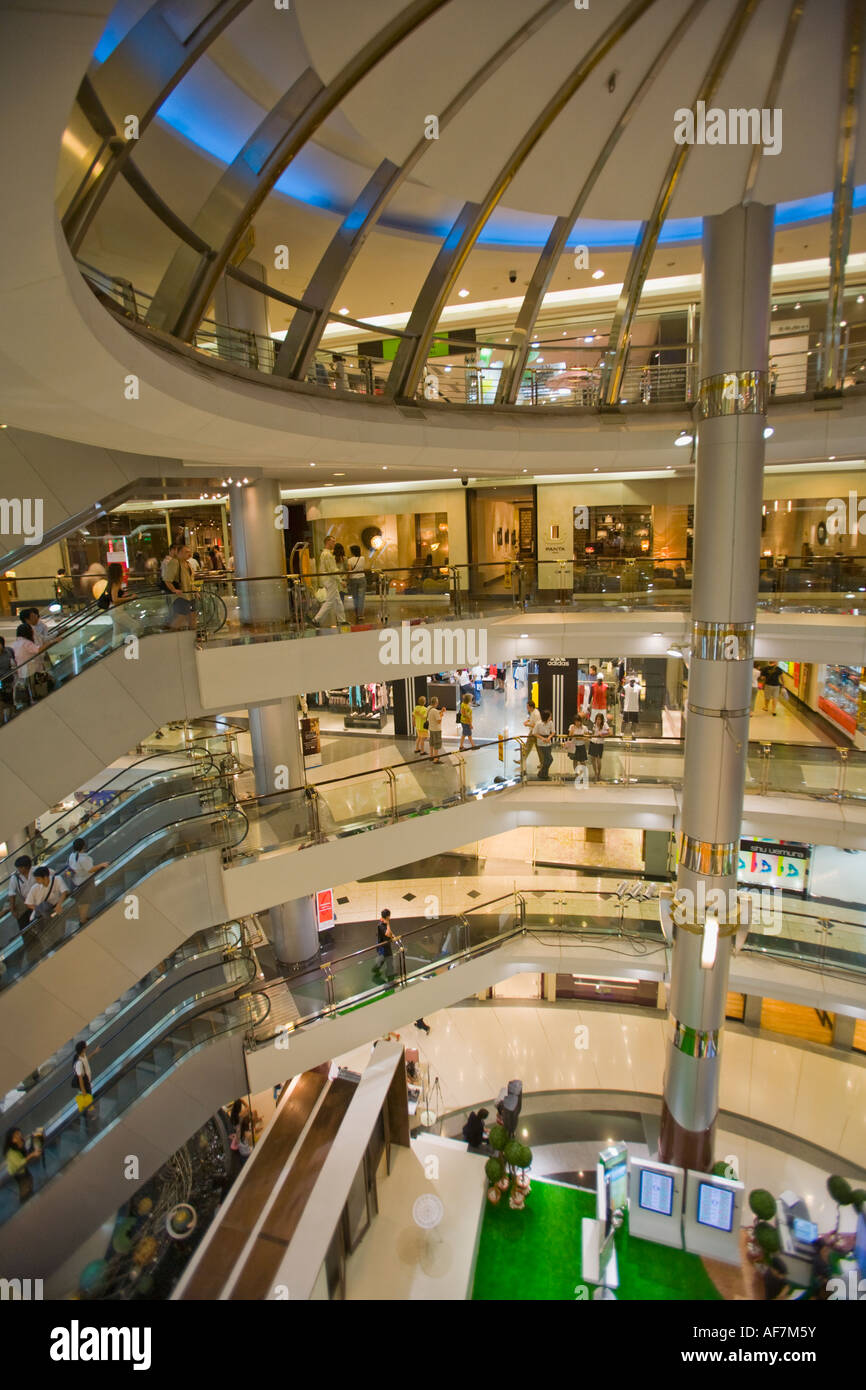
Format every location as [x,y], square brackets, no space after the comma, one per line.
[473,372]
[628,914]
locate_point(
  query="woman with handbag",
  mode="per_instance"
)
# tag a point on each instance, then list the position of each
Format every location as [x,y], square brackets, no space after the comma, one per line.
[31,675]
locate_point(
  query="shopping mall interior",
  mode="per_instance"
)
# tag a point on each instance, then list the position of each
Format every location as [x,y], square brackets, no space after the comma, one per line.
[462,899]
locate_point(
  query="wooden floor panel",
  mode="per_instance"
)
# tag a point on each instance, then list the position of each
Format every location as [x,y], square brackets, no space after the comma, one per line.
[240,1214]
[264,1260]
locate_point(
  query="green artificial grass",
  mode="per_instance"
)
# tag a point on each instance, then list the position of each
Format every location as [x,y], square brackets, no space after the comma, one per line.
[364,1002]
[535,1254]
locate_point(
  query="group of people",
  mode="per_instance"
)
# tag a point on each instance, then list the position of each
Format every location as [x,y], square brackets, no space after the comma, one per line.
[584,741]
[36,893]
[25,669]
[340,574]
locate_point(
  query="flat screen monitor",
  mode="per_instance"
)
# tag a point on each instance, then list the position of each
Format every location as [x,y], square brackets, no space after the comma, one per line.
[656,1192]
[860,1244]
[804,1231]
[715,1206]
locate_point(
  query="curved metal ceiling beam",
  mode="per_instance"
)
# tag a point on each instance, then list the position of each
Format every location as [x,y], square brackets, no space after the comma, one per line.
[843,190]
[188,285]
[545,266]
[306,328]
[136,79]
[644,250]
[410,358]
[795,14]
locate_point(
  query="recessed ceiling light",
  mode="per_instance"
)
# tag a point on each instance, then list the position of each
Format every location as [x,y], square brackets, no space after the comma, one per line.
[598,275]
[524,634]
[832,458]
[595,470]
[246,480]
[230,481]
[775,307]
[344,310]
[859,301]
[683,438]
[384,468]
[588,338]
[463,294]
[339,475]
[768,431]
[796,306]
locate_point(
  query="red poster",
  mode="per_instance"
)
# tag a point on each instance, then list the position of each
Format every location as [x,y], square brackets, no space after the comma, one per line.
[325,908]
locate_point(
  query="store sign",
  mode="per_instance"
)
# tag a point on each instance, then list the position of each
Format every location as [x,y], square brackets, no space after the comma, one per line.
[325,908]
[787,327]
[773,864]
[310,736]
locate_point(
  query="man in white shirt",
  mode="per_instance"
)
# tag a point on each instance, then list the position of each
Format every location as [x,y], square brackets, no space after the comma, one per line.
[478,674]
[329,581]
[20,883]
[530,722]
[544,730]
[46,895]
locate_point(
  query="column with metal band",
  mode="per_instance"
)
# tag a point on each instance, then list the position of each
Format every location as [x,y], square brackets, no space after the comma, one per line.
[738,253]
[257,541]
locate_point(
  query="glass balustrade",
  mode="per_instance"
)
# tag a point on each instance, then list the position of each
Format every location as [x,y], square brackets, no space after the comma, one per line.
[223,826]
[629,913]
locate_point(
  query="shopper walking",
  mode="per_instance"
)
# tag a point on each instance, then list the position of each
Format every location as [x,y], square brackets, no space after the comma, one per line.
[772,687]
[383,969]
[434,728]
[423,1025]
[329,581]
[419,715]
[356,577]
[82,1082]
[465,720]
[530,743]
[600,731]
[175,578]
[598,696]
[544,732]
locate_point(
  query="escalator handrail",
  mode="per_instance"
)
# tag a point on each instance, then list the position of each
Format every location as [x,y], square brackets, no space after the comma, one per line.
[230,810]
[126,1017]
[73,1112]
[81,621]
[118,800]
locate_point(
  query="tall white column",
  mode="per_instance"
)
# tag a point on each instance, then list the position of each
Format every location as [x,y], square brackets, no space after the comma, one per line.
[732,403]
[274,729]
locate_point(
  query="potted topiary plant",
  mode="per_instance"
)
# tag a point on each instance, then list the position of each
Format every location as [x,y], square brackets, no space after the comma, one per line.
[843,1195]
[494,1168]
[767,1240]
[763,1207]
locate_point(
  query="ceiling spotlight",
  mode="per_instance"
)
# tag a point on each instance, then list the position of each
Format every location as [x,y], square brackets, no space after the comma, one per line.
[832,458]
[683,439]
[339,475]
[775,307]
[674,651]
[344,310]
[229,482]
[246,480]
[859,301]
[598,275]
[463,294]
[843,323]
[768,431]
[524,634]
[588,338]
[312,465]
[796,306]
[238,483]
[384,468]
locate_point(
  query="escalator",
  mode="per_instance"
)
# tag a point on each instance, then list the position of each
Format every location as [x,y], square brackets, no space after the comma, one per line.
[167,1058]
[110,683]
[140,798]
